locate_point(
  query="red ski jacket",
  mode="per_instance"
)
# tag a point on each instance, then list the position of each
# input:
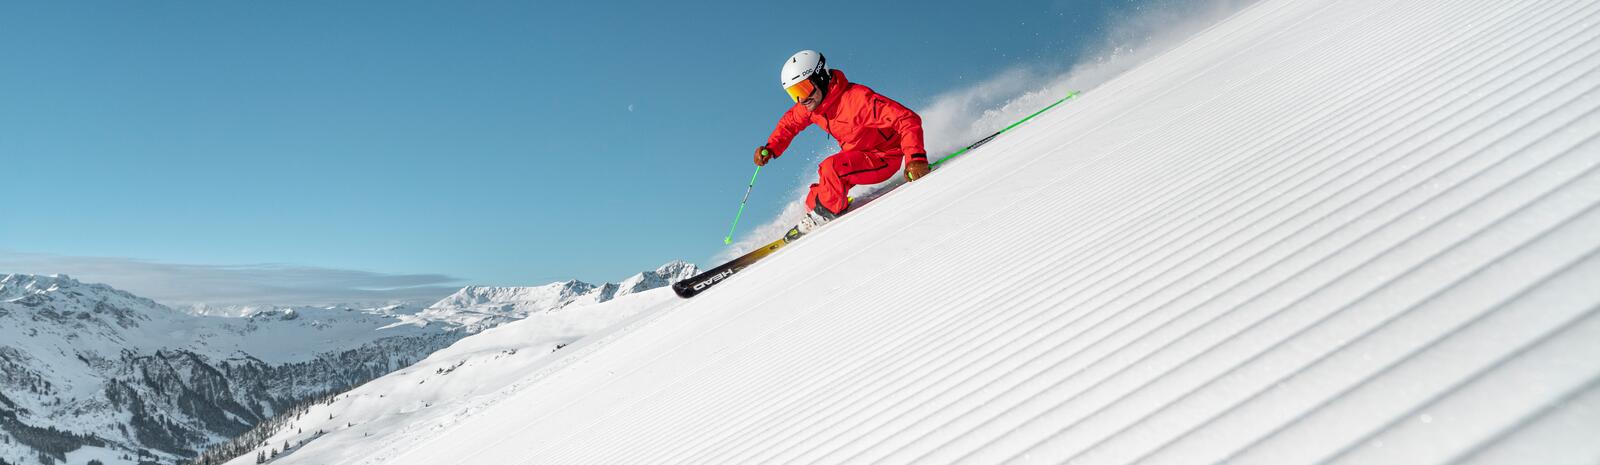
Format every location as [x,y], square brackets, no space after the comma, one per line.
[860,119]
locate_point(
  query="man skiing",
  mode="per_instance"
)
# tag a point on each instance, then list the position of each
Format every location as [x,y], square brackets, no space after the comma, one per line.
[877,135]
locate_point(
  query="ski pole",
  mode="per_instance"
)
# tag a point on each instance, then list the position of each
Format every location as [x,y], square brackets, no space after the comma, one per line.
[729,239]
[986,140]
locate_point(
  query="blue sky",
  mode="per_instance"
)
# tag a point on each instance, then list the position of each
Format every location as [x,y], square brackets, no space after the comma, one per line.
[496,143]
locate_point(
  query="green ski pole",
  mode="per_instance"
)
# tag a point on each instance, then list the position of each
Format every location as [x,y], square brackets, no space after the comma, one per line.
[729,239]
[985,140]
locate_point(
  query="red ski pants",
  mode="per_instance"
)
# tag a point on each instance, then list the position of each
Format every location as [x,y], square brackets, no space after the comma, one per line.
[844,170]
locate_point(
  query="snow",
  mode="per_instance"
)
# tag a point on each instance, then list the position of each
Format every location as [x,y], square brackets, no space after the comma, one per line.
[1316,232]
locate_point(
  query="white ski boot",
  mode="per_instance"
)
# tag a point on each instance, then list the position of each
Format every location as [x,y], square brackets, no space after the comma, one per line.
[810,222]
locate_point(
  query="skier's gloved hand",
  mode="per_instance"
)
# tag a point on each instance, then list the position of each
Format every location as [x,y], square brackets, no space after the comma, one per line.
[917,167]
[763,155]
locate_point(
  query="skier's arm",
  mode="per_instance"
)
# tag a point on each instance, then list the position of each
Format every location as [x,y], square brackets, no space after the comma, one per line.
[889,114]
[789,125]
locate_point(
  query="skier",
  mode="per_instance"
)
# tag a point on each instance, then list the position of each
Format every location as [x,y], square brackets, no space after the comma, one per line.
[876,135]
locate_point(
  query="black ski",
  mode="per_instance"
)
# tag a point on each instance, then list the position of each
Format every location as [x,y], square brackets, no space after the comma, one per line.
[700,282]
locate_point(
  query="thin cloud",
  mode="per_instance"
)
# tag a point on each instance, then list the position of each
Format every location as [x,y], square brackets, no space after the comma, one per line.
[236,285]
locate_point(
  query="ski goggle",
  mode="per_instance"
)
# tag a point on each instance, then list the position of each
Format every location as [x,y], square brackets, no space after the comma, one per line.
[800,90]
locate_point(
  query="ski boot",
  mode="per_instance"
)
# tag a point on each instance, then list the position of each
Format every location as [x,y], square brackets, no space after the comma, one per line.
[810,222]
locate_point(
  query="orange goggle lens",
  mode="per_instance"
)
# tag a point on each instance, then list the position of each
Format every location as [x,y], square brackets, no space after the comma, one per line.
[801,90]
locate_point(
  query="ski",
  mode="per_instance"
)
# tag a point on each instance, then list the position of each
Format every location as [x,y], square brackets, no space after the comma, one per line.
[689,287]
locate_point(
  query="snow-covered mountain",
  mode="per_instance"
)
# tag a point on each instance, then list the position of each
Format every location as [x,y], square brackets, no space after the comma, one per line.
[92,372]
[455,383]
[482,306]
[391,308]
[91,368]
[1357,232]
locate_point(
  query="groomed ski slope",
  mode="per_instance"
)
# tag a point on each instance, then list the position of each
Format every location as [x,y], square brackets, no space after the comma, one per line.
[1318,232]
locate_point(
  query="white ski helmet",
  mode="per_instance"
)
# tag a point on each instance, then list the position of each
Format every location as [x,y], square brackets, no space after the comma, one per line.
[807,70]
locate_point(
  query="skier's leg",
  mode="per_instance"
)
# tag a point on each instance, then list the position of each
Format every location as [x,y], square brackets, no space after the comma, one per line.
[844,170]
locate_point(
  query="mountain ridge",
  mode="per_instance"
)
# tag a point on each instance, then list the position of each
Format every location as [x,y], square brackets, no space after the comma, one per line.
[75,353]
